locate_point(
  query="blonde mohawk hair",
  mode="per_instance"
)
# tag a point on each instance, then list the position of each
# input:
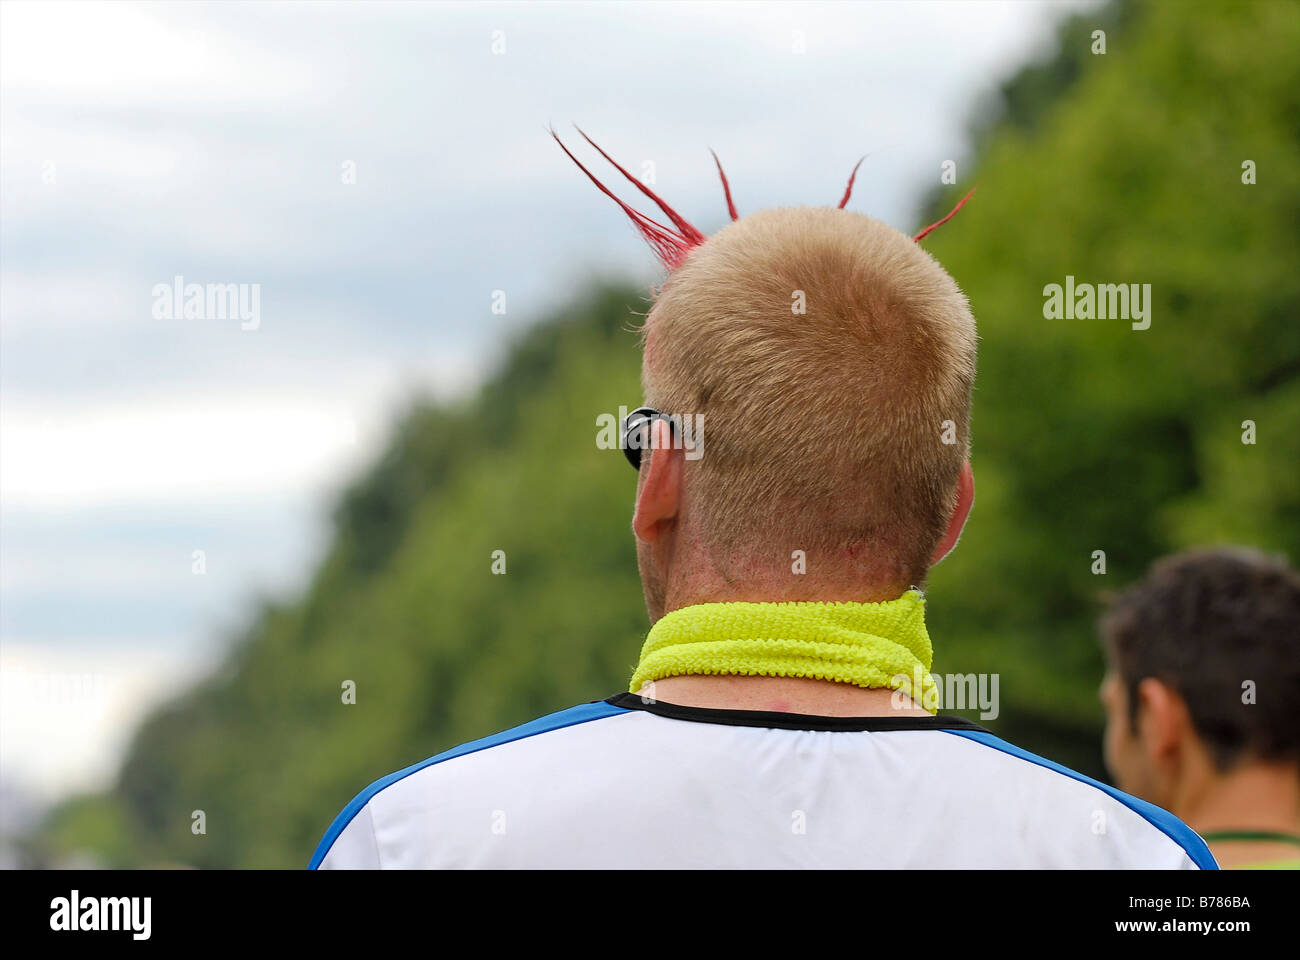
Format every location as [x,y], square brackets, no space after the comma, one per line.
[839,428]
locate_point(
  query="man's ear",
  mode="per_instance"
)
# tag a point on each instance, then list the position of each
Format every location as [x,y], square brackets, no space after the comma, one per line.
[659,493]
[1163,720]
[965,498]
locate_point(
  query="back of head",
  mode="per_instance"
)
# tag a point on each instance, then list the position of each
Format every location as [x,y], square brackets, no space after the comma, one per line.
[1221,627]
[832,360]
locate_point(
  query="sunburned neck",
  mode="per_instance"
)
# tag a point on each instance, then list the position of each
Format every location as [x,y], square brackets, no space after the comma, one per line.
[795,589]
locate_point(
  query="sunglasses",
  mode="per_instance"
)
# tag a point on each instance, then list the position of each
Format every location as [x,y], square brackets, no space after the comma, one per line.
[636,432]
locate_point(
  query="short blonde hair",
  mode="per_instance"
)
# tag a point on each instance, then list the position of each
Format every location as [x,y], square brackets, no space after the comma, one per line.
[839,428]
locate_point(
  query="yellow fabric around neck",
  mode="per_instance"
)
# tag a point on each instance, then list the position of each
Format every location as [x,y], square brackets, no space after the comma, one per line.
[881,644]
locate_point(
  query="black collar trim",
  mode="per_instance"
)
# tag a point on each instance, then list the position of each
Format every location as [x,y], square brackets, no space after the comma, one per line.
[789,721]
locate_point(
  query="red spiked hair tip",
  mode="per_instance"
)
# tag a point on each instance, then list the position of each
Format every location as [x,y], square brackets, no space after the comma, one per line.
[672,244]
[726,189]
[848,191]
[939,223]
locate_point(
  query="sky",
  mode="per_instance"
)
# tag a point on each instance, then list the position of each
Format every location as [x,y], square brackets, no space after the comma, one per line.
[367,176]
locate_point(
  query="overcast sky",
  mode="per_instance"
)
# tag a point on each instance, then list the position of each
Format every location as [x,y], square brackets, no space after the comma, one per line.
[377,171]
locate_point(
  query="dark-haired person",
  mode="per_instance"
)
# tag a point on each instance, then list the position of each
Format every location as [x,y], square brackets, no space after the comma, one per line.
[1202,699]
[775,718]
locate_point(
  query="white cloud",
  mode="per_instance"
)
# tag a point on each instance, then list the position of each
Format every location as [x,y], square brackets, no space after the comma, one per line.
[66,714]
[98,51]
[209,447]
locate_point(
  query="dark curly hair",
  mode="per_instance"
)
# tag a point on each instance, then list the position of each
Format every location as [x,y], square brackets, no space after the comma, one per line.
[1214,624]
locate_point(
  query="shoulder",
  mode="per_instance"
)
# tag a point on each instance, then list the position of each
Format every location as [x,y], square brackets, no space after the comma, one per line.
[1147,827]
[350,837]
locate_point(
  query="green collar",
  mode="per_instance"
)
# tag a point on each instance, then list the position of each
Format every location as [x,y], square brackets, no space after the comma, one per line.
[1259,836]
[882,644]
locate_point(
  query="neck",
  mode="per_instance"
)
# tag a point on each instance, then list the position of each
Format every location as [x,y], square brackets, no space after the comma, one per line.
[702,574]
[1254,796]
[819,698]
[792,590]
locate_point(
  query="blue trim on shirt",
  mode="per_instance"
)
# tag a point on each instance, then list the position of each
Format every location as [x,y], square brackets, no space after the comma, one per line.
[1161,819]
[565,718]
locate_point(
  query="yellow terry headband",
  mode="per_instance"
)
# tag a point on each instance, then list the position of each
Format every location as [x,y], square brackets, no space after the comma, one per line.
[881,644]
